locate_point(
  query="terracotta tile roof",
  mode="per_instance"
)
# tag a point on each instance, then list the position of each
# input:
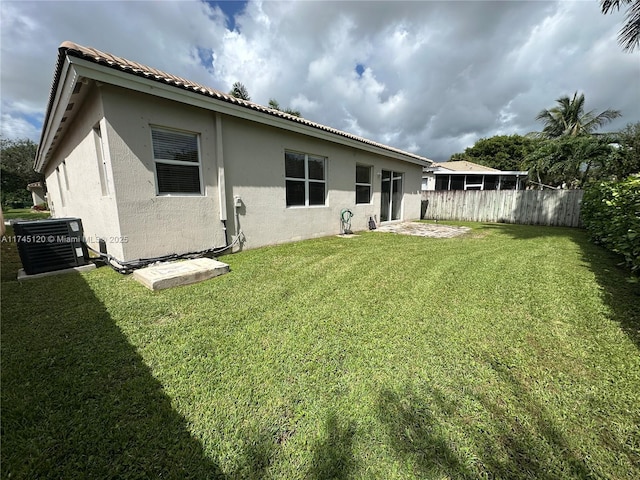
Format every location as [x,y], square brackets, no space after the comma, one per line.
[134,68]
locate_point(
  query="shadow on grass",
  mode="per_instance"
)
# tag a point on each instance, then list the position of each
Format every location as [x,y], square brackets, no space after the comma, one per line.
[620,289]
[333,455]
[429,430]
[416,434]
[525,232]
[256,456]
[78,401]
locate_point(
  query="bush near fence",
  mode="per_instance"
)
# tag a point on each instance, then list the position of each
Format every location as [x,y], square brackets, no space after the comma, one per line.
[611,214]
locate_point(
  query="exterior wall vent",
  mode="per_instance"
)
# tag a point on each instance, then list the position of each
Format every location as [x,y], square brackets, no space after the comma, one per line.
[49,245]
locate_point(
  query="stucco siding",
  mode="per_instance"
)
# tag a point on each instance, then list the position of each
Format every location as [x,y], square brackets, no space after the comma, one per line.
[255,171]
[74,180]
[156,225]
[144,223]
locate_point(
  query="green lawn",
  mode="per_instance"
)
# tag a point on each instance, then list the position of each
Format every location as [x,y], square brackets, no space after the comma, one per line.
[512,352]
[24,214]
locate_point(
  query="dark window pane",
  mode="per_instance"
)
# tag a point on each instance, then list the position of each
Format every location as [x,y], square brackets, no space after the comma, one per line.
[316,193]
[175,146]
[363,194]
[474,179]
[294,165]
[295,193]
[178,178]
[316,168]
[396,199]
[363,174]
[442,182]
[457,182]
[508,183]
[490,182]
[385,196]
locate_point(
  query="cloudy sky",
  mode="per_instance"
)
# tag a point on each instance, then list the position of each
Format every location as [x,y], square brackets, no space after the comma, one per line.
[427,77]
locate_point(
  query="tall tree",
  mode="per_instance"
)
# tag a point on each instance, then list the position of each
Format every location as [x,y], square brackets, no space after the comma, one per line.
[568,118]
[504,152]
[16,157]
[458,157]
[573,160]
[629,36]
[625,156]
[238,90]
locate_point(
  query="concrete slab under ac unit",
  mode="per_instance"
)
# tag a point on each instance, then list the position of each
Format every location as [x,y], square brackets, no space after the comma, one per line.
[22,275]
[174,274]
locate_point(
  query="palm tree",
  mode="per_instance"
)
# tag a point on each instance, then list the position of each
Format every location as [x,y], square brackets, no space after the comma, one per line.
[273,103]
[238,90]
[570,119]
[570,160]
[629,36]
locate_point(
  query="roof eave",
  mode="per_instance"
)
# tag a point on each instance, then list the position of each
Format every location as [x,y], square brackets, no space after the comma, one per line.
[61,78]
[186,92]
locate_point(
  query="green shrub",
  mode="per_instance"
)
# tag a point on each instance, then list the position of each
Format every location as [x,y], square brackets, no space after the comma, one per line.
[611,214]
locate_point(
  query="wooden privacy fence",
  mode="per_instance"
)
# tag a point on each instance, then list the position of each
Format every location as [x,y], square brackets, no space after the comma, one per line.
[530,207]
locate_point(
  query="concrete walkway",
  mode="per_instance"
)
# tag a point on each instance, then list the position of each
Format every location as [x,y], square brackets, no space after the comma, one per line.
[432,230]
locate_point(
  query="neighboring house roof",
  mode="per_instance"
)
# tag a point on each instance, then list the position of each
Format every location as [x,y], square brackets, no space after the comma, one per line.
[469,168]
[464,166]
[69,50]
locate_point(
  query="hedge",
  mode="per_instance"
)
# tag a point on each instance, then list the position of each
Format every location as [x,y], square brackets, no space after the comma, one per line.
[611,214]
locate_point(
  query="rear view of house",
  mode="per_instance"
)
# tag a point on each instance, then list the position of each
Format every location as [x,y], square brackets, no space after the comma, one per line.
[154,164]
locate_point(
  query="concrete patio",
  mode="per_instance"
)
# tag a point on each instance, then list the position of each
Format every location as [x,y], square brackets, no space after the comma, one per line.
[432,230]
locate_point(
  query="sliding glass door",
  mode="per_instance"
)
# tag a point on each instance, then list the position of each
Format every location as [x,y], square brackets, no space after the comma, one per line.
[391,196]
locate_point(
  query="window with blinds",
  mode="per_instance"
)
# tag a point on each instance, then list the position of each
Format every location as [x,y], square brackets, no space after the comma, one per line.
[177,160]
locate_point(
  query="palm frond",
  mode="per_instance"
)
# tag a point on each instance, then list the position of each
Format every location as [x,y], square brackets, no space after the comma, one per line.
[629,36]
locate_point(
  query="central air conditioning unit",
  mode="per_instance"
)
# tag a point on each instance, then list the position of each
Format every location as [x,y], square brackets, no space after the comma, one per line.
[50,245]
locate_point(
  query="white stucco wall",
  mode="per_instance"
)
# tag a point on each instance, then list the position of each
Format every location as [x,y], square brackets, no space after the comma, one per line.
[73,178]
[428,181]
[255,171]
[144,224]
[37,196]
[157,225]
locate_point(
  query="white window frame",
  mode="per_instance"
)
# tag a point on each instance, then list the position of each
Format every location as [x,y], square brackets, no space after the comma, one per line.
[473,186]
[306,179]
[176,162]
[360,184]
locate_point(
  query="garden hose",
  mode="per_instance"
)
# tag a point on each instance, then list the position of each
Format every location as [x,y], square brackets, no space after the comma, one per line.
[345,219]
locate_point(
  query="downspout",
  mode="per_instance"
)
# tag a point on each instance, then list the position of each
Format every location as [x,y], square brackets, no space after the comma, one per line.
[222,189]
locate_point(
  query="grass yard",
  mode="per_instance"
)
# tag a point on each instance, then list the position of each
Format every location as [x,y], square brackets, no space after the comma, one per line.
[512,352]
[24,214]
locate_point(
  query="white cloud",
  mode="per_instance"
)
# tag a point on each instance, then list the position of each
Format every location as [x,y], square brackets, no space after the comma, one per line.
[437,75]
[13,126]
